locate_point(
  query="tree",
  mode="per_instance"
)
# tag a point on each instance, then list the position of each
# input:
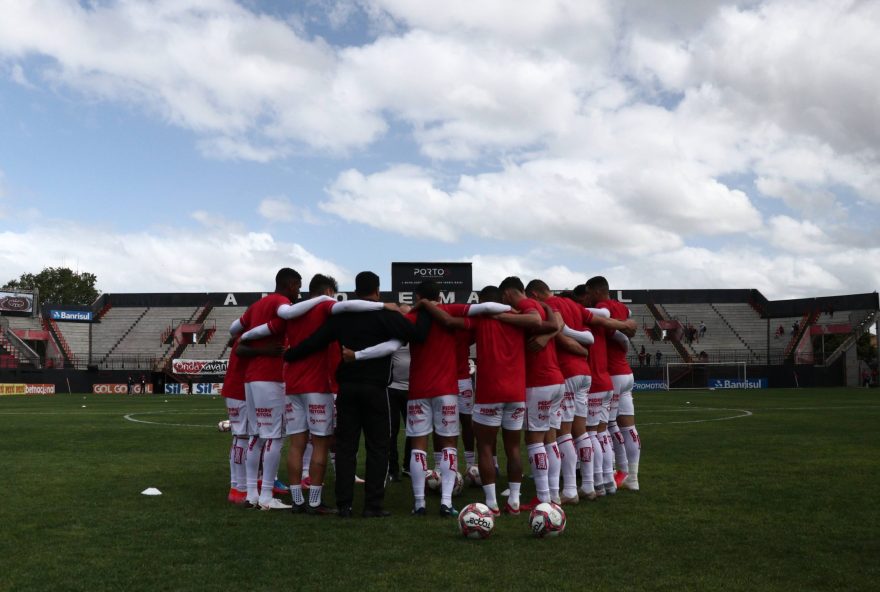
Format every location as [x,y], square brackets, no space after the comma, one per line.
[58,285]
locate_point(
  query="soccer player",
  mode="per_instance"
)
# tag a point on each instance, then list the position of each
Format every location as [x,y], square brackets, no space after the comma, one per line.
[236,410]
[433,397]
[362,402]
[463,340]
[309,386]
[545,389]
[264,389]
[621,419]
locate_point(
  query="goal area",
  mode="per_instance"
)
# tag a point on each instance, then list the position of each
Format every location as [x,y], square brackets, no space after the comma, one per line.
[705,375]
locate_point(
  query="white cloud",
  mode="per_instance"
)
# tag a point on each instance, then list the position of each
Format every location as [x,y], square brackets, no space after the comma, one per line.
[163,260]
[281,209]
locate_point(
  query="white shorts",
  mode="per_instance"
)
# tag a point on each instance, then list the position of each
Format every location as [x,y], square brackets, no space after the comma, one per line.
[465,396]
[268,402]
[507,415]
[237,412]
[623,384]
[437,414]
[594,407]
[543,405]
[605,411]
[575,402]
[309,412]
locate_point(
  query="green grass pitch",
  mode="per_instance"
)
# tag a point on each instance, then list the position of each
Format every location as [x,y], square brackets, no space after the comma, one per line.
[783,497]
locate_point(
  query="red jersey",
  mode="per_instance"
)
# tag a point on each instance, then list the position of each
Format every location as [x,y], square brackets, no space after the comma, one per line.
[463,339]
[264,368]
[312,373]
[599,362]
[233,382]
[433,369]
[542,367]
[617,364]
[576,317]
[501,361]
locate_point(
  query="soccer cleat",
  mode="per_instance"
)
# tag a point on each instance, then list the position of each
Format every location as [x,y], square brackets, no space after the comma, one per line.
[588,495]
[610,488]
[619,476]
[496,511]
[279,488]
[236,497]
[530,505]
[275,504]
[248,503]
[631,483]
[511,509]
[556,500]
[421,512]
[570,500]
[358,480]
[320,510]
[298,508]
[448,511]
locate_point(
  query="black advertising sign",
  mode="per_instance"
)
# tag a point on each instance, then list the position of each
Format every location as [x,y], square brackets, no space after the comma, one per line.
[452,277]
[16,302]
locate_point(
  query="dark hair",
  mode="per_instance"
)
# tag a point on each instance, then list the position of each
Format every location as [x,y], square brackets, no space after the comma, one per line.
[579,290]
[365,283]
[286,275]
[566,294]
[321,282]
[428,289]
[597,283]
[511,283]
[490,294]
[537,286]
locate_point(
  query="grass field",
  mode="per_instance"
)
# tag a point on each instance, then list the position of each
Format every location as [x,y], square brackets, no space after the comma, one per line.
[783,496]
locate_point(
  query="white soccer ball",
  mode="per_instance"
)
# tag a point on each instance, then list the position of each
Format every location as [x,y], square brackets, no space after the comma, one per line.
[459,484]
[476,521]
[472,476]
[547,520]
[224,425]
[432,480]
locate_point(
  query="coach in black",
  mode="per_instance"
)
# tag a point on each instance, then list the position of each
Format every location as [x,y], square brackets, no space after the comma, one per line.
[362,401]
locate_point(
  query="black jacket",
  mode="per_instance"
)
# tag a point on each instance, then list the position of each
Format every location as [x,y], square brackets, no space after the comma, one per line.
[359,330]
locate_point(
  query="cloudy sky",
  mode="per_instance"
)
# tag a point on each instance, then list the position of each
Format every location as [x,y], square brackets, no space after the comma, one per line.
[189,145]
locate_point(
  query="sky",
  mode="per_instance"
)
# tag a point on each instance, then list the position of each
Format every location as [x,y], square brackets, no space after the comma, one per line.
[199,145]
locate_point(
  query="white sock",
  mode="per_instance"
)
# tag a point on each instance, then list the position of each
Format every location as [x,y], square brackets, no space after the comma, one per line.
[448,468]
[584,445]
[495,462]
[470,458]
[608,461]
[252,466]
[491,500]
[296,494]
[333,461]
[513,498]
[539,463]
[307,459]
[271,460]
[569,465]
[438,460]
[554,468]
[232,481]
[239,454]
[418,464]
[598,458]
[619,447]
[315,495]
[633,448]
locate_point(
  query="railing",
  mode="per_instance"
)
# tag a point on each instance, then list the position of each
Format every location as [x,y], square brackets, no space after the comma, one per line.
[117,362]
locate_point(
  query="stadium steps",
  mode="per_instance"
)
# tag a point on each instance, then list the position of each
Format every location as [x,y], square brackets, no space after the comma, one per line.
[645,338]
[217,347]
[807,320]
[52,327]
[125,334]
[734,331]
[175,349]
[18,349]
[858,330]
[661,315]
[76,336]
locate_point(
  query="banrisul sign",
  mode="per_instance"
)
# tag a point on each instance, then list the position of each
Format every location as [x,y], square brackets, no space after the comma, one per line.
[730,383]
[452,277]
[71,315]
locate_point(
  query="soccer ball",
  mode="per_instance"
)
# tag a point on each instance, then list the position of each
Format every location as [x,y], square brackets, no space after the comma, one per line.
[223,426]
[472,476]
[432,480]
[547,520]
[459,484]
[476,521]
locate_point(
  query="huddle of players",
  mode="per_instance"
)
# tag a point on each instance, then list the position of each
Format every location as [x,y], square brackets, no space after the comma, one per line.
[547,364]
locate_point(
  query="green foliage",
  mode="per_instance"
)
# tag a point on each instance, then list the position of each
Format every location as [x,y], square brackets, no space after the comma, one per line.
[59,285]
[771,501]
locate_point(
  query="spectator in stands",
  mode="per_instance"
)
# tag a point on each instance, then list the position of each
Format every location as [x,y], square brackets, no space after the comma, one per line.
[648,358]
[659,357]
[130,383]
[642,356]
[794,327]
[704,357]
[830,310]
[780,331]
[702,329]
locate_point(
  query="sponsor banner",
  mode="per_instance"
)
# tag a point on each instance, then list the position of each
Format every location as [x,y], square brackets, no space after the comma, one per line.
[71,315]
[728,383]
[841,329]
[452,277]
[649,385]
[181,366]
[16,302]
[39,389]
[13,389]
[176,388]
[118,388]
[199,388]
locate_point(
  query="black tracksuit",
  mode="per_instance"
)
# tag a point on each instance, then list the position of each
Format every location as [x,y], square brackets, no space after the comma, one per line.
[362,401]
